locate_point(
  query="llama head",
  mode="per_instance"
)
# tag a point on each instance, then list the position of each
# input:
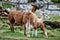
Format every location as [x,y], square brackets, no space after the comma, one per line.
[45,17]
[37,6]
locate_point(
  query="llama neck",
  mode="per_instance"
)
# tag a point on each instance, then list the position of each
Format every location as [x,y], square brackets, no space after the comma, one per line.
[40,19]
[33,10]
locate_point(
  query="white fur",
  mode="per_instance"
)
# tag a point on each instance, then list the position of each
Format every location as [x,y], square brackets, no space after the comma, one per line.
[31,26]
[28,28]
[34,32]
[46,34]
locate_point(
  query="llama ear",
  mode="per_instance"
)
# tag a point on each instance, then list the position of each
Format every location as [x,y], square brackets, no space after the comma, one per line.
[32,4]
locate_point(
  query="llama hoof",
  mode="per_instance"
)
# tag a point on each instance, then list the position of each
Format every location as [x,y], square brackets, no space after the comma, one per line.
[25,34]
[32,35]
[46,36]
[28,36]
[12,31]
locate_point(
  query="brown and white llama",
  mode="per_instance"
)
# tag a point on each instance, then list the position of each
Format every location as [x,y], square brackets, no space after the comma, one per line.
[39,24]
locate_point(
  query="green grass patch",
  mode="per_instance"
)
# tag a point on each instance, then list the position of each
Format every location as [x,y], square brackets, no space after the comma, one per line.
[18,34]
[55,18]
[5,5]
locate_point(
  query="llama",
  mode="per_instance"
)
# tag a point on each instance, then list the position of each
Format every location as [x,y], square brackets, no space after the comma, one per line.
[39,24]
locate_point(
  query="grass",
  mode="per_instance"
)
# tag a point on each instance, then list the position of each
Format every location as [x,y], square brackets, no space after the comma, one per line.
[5,5]
[55,18]
[18,34]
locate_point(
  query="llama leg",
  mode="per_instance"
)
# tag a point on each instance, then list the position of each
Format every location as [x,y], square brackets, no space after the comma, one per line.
[28,30]
[45,32]
[12,27]
[44,29]
[35,32]
[25,30]
[35,29]
[32,31]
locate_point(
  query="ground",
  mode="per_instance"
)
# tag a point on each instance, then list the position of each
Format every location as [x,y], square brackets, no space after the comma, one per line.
[6,34]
